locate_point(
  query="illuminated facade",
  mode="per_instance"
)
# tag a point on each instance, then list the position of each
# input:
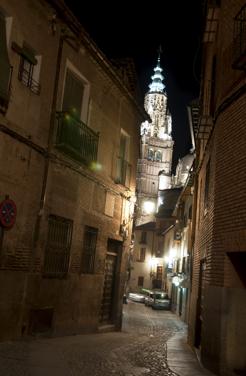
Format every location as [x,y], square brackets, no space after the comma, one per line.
[154,165]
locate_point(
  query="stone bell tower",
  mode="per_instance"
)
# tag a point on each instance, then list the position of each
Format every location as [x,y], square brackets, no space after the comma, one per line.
[154,165]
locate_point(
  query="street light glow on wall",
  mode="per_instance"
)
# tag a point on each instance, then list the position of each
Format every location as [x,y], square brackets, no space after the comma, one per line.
[171,257]
[149,207]
[176,281]
[153,265]
[152,262]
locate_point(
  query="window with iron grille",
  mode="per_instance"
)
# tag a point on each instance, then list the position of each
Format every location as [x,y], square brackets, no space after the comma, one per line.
[140,281]
[89,250]
[29,68]
[57,253]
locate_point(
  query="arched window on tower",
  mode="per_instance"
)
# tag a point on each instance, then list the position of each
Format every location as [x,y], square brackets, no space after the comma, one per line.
[158,156]
[150,156]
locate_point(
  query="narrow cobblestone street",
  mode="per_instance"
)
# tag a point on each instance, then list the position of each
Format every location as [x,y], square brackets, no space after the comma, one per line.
[140,349]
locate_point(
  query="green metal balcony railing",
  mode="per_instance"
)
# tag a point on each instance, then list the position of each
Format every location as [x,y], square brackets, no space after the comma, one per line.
[75,139]
[123,172]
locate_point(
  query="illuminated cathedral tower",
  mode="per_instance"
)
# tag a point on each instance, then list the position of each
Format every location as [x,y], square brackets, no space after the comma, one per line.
[154,165]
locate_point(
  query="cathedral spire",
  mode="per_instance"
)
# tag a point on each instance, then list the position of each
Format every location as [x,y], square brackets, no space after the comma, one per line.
[157,85]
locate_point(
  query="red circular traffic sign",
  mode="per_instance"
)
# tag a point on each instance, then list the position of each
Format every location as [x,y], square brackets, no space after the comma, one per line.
[7,213]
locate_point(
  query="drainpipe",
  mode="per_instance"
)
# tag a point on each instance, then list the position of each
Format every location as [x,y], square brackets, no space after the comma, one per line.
[50,143]
[62,39]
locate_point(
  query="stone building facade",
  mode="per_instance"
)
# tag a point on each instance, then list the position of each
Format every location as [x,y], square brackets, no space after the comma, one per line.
[217,325]
[68,136]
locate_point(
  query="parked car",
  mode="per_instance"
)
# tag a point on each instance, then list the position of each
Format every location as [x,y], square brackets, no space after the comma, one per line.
[161,301]
[157,299]
[136,297]
[149,298]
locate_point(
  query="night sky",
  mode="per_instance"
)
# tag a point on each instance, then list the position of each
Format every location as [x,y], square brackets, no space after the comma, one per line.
[121,31]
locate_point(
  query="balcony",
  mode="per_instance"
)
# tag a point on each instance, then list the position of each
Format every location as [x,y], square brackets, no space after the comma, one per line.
[239,40]
[123,172]
[75,139]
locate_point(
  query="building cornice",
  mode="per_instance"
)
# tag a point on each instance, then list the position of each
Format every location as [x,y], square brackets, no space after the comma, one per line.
[65,14]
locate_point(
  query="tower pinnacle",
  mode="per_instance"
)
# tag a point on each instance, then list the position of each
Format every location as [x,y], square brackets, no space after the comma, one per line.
[157,85]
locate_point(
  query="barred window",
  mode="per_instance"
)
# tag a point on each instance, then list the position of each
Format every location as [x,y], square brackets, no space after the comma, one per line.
[89,250]
[58,246]
[29,69]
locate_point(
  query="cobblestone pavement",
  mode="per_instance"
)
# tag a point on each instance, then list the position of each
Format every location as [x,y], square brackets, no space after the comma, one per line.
[140,349]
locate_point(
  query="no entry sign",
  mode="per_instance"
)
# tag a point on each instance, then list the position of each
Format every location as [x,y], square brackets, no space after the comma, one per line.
[7,213]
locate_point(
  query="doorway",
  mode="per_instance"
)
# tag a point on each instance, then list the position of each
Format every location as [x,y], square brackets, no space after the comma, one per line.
[200,303]
[112,264]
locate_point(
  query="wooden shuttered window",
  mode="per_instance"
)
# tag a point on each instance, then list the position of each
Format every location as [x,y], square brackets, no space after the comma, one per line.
[89,250]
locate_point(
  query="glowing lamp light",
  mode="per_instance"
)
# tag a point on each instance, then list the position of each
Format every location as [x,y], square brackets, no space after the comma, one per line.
[173,252]
[94,166]
[152,262]
[149,207]
[176,281]
[167,259]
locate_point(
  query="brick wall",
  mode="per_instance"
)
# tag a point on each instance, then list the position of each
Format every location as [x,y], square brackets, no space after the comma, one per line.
[220,228]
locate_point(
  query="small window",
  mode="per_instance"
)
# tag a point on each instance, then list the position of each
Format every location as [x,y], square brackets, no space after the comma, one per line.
[158,156]
[140,281]
[143,237]
[142,254]
[150,155]
[89,250]
[57,252]
[29,69]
